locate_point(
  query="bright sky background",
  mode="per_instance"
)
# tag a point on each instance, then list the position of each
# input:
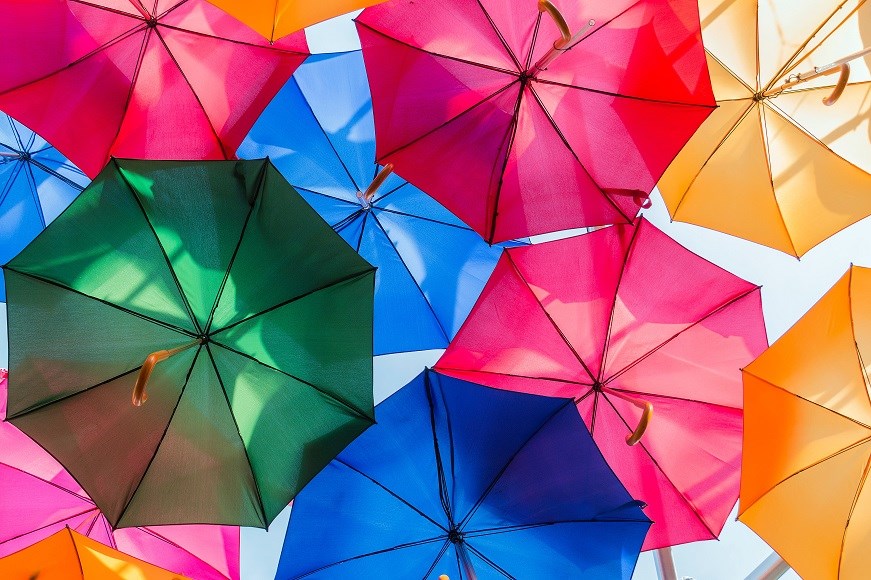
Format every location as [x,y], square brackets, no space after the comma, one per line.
[790,287]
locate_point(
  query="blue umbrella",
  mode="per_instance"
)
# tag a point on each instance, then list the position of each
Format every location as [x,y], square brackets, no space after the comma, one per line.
[36,184]
[470,482]
[320,133]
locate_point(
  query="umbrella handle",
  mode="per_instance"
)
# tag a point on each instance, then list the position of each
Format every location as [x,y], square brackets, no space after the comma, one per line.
[377,182]
[646,413]
[839,86]
[139,394]
[559,20]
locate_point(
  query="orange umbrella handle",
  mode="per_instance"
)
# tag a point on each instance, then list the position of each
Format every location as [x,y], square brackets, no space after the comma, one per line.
[139,394]
[378,182]
[646,413]
[840,86]
[559,20]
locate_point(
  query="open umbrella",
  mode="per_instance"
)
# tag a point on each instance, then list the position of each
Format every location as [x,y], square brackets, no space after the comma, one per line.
[807,437]
[257,318]
[277,18]
[780,162]
[36,184]
[161,79]
[522,118]
[641,333]
[67,554]
[38,498]
[431,267]
[470,482]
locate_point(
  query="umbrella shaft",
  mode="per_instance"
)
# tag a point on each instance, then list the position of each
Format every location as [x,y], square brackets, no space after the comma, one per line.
[559,47]
[817,71]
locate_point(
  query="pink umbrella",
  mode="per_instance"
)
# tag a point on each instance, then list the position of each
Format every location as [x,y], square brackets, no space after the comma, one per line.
[152,79]
[639,331]
[38,498]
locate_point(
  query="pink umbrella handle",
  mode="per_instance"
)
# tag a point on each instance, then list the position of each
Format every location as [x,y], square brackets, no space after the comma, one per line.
[646,413]
[139,394]
[559,20]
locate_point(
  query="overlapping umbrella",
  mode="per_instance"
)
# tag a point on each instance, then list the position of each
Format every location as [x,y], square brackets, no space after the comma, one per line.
[641,333]
[524,118]
[162,79]
[431,266]
[262,317]
[469,482]
[774,163]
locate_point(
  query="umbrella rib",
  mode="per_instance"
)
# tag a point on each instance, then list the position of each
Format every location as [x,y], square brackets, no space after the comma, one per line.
[575,155]
[413,279]
[440,368]
[150,531]
[16,133]
[502,471]
[110,533]
[166,325]
[672,398]
[51,483]
[437,558]
[107,9]
[763,129]
[556,327]
[750,89]
[522,527]
[444,498]
[359,413]
[162,437]
[426,219]
[655,349]
[190,311]
[534,40]
[510,135]
[260,508]
[34,192]
[374,553]
[353,204]
[391,492]
[489,562]
[44,526]
[7,187]
[274,21]
[378,198]
[57,175]
[194,93]
[230,40]
[622,96]
[362,231]
[499,35]
[76,550]
[859,489]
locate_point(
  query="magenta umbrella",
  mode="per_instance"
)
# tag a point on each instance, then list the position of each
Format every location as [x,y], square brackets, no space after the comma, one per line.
[38,497]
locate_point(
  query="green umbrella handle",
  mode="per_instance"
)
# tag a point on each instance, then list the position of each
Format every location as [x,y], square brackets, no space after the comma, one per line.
[139,394]
[646,413]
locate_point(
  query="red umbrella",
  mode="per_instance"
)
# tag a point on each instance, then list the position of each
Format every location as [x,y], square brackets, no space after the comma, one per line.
[171,79]
[641,333]
[522,126]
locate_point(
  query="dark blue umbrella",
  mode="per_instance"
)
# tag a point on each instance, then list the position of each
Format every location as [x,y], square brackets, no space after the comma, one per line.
[36,184]
[319,132]
[470,482]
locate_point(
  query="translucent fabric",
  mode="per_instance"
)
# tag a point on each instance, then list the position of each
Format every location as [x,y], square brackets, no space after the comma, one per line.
[179,80]
[471,482]
[269,310]
[807,437]
[627,312]
[320,134]
[782,170]
[467,111]
[38,497]
[36,184]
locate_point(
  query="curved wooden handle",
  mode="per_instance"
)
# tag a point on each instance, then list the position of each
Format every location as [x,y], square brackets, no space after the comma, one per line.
[559,20]
[378,182]
[646,413]
[839,86]
[139,394]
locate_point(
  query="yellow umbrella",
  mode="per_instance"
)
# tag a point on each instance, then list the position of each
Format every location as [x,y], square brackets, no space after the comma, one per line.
[276,18]
[807,437]
[67,555]
[773,163]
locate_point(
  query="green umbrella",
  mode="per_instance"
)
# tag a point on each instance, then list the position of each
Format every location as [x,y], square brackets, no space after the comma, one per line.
[260,314]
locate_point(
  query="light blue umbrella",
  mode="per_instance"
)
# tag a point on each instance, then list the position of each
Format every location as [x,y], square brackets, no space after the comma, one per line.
[319,132]
[36,184]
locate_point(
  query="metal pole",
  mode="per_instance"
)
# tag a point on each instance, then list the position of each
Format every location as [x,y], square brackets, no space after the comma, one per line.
[771,568]
[664,564]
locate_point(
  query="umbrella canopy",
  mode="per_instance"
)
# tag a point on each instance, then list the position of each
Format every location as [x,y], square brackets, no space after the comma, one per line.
[178,79]
[277,18]
[68,554]
[466,481]
[807,437]
[639,331]
[777,165]
[519,130]
[38,498]
[431,266]
[262,317]
[36,184]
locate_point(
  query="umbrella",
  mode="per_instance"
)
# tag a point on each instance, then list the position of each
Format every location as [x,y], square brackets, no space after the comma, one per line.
[807,437]
[68,554]
[179,79]
[641,333]
[257,318]
[774,163]
[431,267]
[36,184]
[519,126]
[277,18]
[466,481]
[38,498]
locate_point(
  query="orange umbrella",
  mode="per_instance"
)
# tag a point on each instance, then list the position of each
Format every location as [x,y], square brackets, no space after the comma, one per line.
[277,18]
[782,161]
[807,437]
[67,554]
